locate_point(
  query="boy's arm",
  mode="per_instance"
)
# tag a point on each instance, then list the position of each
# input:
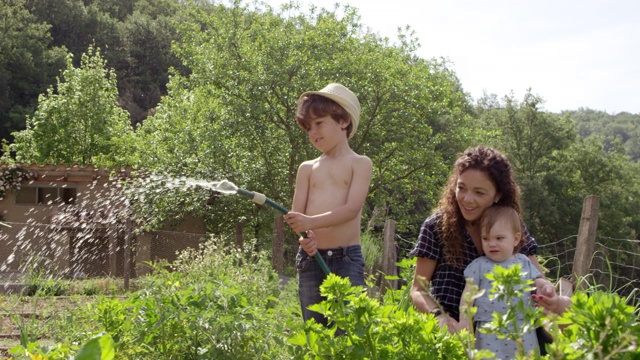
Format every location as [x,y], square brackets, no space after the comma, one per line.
[358,191]
[301,191]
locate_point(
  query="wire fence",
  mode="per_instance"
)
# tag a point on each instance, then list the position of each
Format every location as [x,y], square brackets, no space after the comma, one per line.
[614,267]
[614,264]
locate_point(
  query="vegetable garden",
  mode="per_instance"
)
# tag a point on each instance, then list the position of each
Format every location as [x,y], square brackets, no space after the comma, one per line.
[219,302]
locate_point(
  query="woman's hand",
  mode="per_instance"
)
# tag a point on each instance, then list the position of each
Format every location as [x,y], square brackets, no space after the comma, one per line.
[450,322]
[547,298]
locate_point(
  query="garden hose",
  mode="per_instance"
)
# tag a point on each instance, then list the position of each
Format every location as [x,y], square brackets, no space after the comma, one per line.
[261,199]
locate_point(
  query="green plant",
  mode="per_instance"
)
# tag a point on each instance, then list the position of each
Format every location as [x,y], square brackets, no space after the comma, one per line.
[469,310]
[373,330]
[372,252]
[29,322]
[212,304]
[226,303]
[40,279]
[34,350]
[599,325]
[521,317]
[95,286]
[99,347]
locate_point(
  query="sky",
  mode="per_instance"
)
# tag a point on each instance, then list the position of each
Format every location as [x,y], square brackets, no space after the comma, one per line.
[572,53]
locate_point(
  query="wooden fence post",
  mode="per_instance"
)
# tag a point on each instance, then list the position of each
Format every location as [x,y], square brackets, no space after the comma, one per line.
[586,243]
[278,245]
[128,229]
[239,236]
[389,256]
[112,236]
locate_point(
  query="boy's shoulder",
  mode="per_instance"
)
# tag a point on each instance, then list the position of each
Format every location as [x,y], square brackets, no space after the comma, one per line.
[362,158]
[354,156]
[350,156]
[359,162]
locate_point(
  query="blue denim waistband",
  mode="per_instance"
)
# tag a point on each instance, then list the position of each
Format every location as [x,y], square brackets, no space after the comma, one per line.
[335,253]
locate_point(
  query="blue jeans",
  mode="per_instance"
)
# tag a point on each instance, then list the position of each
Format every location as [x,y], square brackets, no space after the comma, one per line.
[346,262]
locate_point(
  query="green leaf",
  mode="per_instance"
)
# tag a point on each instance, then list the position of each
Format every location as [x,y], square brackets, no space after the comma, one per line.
[98,348]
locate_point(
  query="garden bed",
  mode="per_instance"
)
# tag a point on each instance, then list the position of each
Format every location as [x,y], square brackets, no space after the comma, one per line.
[34,315]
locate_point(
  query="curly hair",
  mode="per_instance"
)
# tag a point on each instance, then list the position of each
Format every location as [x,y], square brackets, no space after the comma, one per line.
[452,223]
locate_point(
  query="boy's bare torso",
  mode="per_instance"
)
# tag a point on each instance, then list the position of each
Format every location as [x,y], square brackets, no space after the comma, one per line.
[330,182]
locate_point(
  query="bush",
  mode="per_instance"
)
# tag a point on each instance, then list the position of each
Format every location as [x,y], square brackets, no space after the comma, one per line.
[374,330]
[210,304]
[226,303]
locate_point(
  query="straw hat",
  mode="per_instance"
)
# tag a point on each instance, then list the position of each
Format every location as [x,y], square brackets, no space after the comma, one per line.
[344,97]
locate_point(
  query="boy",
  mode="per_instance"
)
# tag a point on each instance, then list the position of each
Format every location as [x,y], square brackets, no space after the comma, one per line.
[329,195]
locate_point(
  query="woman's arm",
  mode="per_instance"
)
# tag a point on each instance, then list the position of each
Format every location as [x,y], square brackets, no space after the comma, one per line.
[420,293]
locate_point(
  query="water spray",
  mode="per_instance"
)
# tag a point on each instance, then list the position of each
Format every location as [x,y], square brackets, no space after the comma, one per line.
[227,187]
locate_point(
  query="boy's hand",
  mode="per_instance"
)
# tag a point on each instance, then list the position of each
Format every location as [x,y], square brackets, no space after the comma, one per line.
[309,244]
[299,222]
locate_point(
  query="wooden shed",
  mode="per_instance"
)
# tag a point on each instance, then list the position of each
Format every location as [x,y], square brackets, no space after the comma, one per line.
[66,218]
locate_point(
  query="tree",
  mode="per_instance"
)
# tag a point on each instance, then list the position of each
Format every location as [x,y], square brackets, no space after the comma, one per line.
[27,64]
[79,121]
[611,175]
[133,36]
[233,116]
[623,127]
[527,133]
[530,137]
[143,72]
[557,169]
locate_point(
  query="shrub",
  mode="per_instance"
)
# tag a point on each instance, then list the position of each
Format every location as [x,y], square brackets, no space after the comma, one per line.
[373,330]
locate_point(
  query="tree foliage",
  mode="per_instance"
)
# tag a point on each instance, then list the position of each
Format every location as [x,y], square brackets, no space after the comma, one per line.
[557,169]
[528,134]
[233,116]
[28,64]
[79,121]
[133,36]
[229,74]
[622,127]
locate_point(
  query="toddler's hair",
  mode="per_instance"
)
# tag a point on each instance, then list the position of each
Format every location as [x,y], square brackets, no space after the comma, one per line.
[315,106]
[496,213]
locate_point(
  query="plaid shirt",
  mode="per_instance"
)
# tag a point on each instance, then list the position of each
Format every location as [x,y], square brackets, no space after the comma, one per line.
[448,281]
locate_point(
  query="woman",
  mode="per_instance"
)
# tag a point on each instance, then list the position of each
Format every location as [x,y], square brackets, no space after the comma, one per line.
[450,238]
